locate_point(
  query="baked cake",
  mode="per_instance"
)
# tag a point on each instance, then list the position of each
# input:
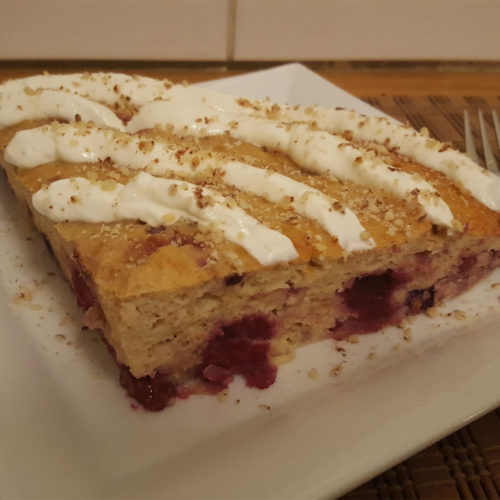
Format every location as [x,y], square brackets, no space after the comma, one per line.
[207,235]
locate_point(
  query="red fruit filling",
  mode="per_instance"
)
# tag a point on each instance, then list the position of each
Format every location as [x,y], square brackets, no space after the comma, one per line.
[80,279]
[240,348]
[467,264]
[154,393]
[370,304]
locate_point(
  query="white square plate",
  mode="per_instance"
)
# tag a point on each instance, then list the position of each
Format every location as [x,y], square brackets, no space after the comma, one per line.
[68,430]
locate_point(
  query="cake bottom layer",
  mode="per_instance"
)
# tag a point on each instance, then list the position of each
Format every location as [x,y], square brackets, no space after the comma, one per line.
[246,345]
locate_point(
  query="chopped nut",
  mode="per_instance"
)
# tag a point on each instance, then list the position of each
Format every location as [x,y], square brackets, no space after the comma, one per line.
[146,146]
[169,219]
[336,370]
[407,334]
[223,395]
[66,320]
[458,314]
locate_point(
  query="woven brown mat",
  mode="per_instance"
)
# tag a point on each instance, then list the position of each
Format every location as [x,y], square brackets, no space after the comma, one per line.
[465,464]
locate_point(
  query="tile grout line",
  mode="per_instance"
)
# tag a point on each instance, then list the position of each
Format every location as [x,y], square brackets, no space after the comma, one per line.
[230,30]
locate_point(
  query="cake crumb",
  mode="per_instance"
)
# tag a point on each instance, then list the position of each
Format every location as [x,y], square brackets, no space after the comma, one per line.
[223,395]
[495,285]
[60,337]
[396,347]
[336,370]
[66,320]
[408,334]
[23,295]
[353,339]
[265,407]
[313,374]
[432,312]
[458,314]
[371,355]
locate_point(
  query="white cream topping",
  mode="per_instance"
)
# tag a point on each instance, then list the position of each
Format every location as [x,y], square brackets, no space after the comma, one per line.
[103,87]
[325,153]
[315,151]
[36,146]
[109,87]
[158,201]
[482,184]
[16,107]
[48,143]
[340,222]
[307,135]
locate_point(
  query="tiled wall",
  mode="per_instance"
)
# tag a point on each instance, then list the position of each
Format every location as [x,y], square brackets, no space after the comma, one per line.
[250,30]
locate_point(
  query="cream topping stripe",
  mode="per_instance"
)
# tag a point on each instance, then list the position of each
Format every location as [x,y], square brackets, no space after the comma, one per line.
[16,107]
[48,143]
[482,184]
[158,201]
[313,150]
[111,87]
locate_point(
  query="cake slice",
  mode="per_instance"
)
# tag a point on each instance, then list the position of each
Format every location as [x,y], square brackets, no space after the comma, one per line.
[207,235]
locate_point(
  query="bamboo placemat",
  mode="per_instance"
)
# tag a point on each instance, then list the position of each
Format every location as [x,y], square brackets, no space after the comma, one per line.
[465,464]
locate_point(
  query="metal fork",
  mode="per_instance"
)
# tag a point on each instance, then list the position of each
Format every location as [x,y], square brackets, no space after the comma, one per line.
[489,158]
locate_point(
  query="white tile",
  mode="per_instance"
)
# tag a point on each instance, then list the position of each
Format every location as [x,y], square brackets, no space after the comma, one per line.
[114,29]
[367,30]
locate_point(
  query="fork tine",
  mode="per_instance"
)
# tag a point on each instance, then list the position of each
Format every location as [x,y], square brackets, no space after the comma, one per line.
[496,124]
[469,141]
[489,159]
